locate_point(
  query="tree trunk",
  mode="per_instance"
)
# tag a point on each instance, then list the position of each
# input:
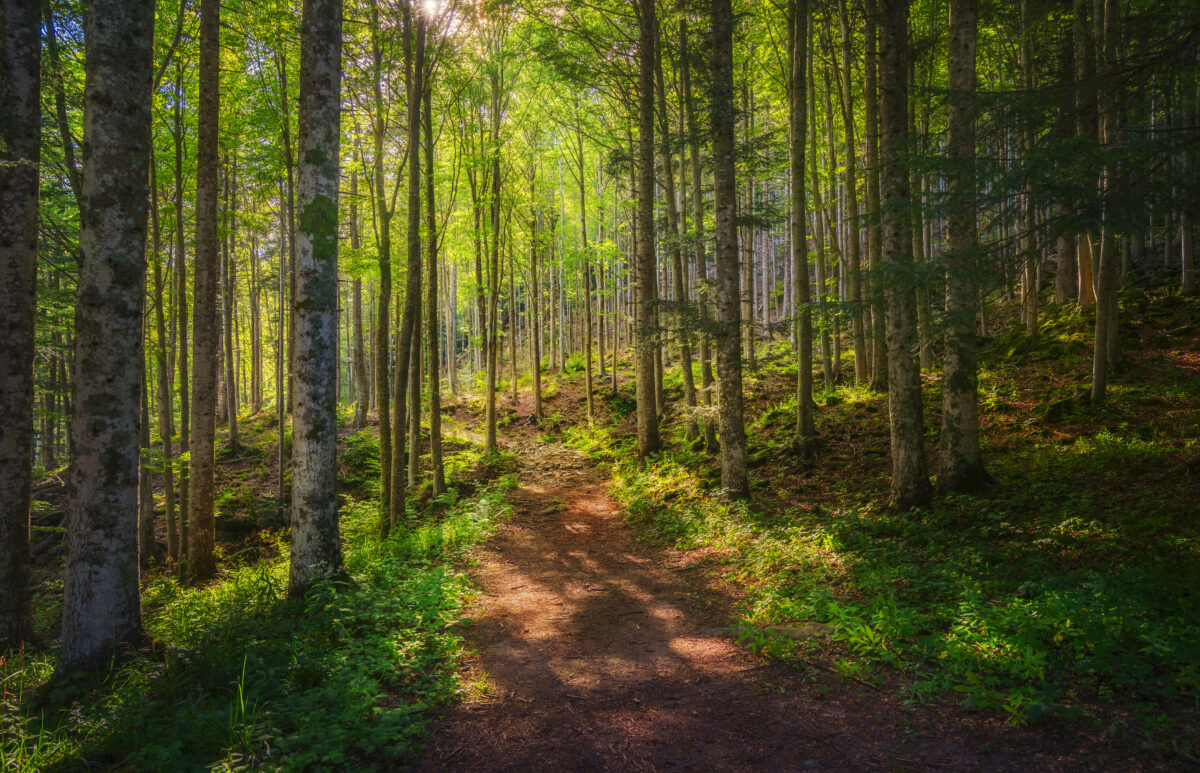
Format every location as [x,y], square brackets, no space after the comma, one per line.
[362,382]
[910,478]
[805,434]
[647,272]
[961,464]
[231,396]
[874,227]
[181,319]
[706,371]
[415,63]
[20,157]
[383,311]
[861,355]
[166,423]
[101,590]
[431,307]
[315,547]
[1104,351]
[202,558]
[729,361]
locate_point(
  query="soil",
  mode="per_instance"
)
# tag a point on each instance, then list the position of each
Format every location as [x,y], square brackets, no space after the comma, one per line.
[593,651]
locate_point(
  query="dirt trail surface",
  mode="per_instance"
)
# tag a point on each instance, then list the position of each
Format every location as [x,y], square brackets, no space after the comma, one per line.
[599,653]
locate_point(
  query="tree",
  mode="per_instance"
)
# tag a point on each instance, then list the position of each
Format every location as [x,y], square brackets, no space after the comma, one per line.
[202,556]
[20,157]
[729,319]
[647,273]
[806,429]
[910,476]
[101,599]
[316,549]
[961,464]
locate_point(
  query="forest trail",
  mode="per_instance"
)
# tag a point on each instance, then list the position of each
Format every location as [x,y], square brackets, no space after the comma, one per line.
[597,652]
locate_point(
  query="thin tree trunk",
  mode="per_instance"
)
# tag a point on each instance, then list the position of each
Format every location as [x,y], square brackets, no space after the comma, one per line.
[706,372]
[431,308]
[806,429]
[861,355]
[681,325]
[231,395]
[734,479]
[874,227]
[647,274]
[202,558]
[101,589]
[383,311]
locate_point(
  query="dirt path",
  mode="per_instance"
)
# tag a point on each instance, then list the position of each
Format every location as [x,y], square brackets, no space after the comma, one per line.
[597,653]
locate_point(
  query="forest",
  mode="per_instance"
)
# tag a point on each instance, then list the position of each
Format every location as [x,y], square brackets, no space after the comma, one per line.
[609,385]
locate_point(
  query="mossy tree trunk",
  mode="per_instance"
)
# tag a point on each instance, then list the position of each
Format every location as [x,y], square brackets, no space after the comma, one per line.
[101,592]
[315,547]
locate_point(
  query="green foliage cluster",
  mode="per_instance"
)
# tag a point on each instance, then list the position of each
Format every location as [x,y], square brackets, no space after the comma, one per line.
[243,677]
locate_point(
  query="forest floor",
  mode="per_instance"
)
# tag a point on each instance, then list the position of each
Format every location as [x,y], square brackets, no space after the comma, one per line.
[596,651]
[564,607]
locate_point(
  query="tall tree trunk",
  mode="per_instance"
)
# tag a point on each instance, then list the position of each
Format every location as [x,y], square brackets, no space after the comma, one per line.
[166,418]
[706,372]
[819,229]
[202,559]
[677,273]
[1029,252]
[861,355]
[587,275]
[806,429]
[1085,106]
[874,227]
[647,273]
[415,62]
[145,479]
[910,476]
[361,381]
[1104,353]
[961,464]
[101,591]
[181,319]
[227,306]
[315,547]
[729,360]
[20,157]
[431,305]
[383,311]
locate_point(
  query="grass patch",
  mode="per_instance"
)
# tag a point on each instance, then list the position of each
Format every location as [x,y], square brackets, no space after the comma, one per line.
[242,677]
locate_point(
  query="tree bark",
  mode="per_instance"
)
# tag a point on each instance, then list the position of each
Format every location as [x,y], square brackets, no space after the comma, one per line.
[706,372]
[315,547]
[101,590]
[20,157]
[361,381]
[861,355]
[383,310]
[804,439]
[729,361]
[961,465]
[431,306]
[910,476]
[202,557]
[412,289]
[647,273]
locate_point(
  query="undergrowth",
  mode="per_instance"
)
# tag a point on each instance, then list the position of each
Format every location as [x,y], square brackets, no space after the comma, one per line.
[1066,594]
[242,677]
